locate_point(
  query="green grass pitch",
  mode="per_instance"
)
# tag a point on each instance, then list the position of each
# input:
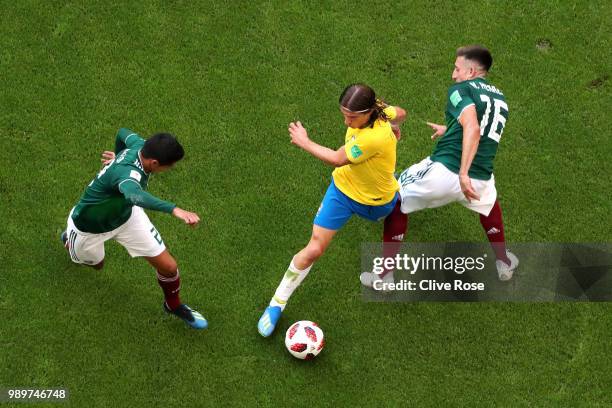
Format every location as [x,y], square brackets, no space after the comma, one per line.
[227,78]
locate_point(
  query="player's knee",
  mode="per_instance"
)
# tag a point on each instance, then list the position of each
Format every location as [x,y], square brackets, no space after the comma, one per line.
[169,268]
[315,250]
[99,265]
[173,268]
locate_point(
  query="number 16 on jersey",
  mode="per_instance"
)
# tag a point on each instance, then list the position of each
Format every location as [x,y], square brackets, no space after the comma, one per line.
[498,120]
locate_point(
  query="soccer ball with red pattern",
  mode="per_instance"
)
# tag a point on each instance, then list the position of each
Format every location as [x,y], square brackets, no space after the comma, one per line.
[304,340]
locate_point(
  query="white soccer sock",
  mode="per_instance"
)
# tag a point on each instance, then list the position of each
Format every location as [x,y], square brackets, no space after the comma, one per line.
[388,277]
[292,279]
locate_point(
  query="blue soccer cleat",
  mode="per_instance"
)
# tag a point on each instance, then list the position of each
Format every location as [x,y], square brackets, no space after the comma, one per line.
[64,238]
[268,320]
[190,316]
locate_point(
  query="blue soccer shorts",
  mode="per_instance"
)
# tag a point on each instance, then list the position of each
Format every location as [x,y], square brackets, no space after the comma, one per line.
[337,208]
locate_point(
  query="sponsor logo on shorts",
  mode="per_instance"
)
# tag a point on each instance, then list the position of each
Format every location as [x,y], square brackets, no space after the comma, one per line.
[407,178]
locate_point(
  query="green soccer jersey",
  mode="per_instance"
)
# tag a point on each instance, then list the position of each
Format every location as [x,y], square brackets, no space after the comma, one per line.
[492,112]
[107,202]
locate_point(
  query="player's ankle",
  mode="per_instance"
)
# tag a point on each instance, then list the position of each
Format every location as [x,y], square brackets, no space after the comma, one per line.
[386,277]
[173,304]
[275,302]
[505,260]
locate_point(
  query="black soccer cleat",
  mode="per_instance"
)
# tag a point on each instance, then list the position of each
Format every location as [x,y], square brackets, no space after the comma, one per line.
[188,315]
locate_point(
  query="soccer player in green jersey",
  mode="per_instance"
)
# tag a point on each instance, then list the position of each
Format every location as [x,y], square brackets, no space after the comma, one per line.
[461,166]
[112,208]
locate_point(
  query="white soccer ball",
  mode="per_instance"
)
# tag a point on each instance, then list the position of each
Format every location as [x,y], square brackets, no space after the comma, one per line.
[304,340]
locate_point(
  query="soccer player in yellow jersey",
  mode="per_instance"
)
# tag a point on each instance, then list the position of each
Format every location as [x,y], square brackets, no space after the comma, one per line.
[363,183]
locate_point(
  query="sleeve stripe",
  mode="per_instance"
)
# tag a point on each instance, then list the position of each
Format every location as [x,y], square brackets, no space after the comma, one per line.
[466,106]
[128,136]
[128,179]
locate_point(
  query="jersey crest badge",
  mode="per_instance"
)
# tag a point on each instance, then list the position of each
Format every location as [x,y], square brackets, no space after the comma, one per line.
[356,152]
[135,175]
[455,98]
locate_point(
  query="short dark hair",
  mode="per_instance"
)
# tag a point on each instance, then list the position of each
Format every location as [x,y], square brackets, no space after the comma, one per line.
[164,148]
[360,97]
[477,53]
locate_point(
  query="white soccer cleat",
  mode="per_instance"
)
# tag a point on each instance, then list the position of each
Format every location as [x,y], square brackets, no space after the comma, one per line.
[504,271]
[368,278]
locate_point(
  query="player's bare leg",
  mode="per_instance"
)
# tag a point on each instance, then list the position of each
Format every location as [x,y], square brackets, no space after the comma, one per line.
[169,280]
[319,241]
[493,225]
[395,227]
[298,270]
[164,264]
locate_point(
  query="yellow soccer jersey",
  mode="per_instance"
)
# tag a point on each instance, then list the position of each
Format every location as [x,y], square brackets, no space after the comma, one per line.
[369,178]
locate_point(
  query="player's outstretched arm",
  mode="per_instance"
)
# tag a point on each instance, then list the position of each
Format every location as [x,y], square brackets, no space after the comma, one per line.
[190,218]
[133,192]
[299,137]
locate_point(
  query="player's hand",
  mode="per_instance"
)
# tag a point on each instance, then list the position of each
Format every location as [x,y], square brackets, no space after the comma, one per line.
[190,218]
[299,136]
[397,132]
[466,186]
[439,130]
[107,157]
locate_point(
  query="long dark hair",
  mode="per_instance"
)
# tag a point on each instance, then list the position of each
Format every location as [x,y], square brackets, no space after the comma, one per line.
[361,98]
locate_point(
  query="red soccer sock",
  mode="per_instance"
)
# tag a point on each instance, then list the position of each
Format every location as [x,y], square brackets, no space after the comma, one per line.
[494,228]
[171,287]
[396,224]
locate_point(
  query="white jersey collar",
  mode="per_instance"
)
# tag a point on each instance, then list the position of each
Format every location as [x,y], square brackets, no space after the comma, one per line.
[138,163]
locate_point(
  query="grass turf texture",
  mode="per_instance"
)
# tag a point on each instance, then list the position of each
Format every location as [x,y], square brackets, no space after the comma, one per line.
[227,78]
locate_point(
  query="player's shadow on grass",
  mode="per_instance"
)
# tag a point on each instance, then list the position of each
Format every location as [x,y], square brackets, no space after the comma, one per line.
[125,292]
